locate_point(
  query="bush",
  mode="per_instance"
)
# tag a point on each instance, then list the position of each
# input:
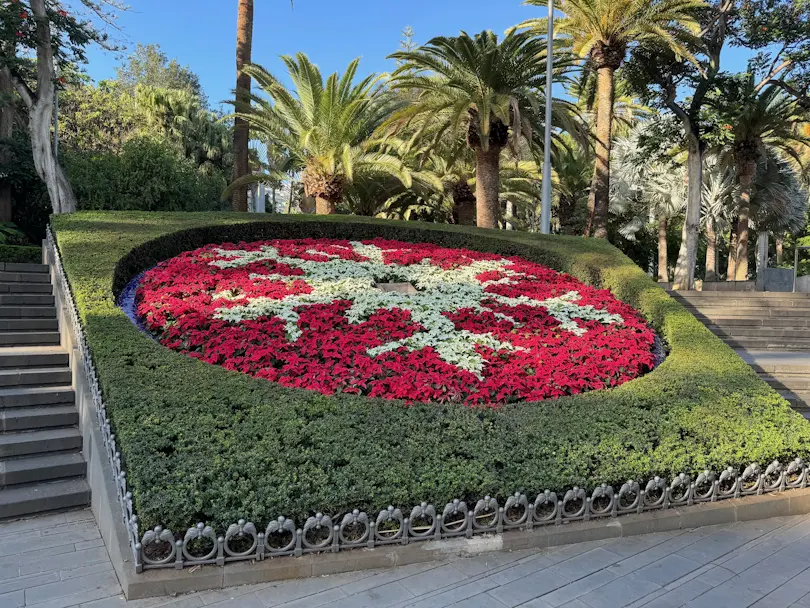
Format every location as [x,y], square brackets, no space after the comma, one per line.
[20,254]
[148,175]
[204,444]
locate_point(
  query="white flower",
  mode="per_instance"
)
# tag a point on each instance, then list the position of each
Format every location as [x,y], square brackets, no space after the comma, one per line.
[439,290]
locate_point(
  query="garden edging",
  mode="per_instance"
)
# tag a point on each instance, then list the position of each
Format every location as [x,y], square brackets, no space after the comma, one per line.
[726,498]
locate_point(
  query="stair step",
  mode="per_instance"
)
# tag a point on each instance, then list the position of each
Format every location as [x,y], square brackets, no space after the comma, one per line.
[38,395]
[24,277]
[759,332]
[767,344]
[26,299]
[30,418]
[38,442]
[23,267]
[776,323]
[33,356]
[20,325]
[45,467]
[28,499]
[794,383]
[44,376]
[33,338]
[27,312]
[25,288]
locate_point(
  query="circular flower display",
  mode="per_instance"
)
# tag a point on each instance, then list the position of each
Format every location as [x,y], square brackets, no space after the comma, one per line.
[395,320]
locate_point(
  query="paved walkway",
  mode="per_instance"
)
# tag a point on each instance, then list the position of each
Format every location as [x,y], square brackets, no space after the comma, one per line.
[59,561]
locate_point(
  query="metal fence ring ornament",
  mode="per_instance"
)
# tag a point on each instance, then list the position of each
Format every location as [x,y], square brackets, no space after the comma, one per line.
[157,536]
[318,523]
[241,530]
[519,502]
[389,515]
[422,511]
[278,527]
[356,518]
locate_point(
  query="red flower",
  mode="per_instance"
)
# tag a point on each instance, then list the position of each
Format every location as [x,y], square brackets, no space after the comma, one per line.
[178,301]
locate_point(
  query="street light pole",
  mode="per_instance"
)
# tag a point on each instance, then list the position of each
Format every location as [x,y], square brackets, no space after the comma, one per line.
[545,214]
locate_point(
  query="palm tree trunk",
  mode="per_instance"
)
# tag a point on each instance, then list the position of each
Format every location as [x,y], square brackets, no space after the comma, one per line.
[324,206]
[711,253]
[599,197]
[741,273]
[488,186]
[241,132]
[731,268]
[687,255]
[780,250]
[663,274]
[290,200]
[6,132]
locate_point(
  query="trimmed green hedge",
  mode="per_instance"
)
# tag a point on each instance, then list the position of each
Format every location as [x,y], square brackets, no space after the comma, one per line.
[20,254]
[204,444]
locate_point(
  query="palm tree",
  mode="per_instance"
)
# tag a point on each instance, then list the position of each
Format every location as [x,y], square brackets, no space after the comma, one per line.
[651,187]
[241,131]
[760,121]
[602,31]
[718,194]
[485,92]
[326,124]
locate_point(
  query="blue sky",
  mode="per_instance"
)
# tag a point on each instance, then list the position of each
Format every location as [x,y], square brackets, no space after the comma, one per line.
[201,33]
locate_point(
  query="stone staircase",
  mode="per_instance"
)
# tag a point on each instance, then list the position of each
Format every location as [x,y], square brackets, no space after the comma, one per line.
[769,330]
[41,463]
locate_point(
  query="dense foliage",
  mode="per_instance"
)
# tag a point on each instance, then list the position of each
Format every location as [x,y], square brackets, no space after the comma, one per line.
[201,443]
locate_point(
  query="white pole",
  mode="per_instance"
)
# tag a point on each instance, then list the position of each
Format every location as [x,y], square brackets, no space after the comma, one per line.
[545,214]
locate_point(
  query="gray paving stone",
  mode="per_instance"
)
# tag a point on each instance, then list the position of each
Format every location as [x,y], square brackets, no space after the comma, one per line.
[473,566]
[680,596]
[529,587]
[288,591]
[527,567]
[386,595]
[787,593]
[585,564]
[578,588]
[621,592]
[667,570]
[632,545]
[710,548]
[43,593]
[311,601]
[15,599]
[66,561]
[455,595]
[27,582]
[479,601]
[431,580]
[383,577]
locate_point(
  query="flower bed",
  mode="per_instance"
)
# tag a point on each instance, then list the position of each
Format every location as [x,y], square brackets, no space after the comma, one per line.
[201,443]
[394,320]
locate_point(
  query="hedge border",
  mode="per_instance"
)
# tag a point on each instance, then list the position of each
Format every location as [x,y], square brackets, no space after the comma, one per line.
[593,262]
[20,254]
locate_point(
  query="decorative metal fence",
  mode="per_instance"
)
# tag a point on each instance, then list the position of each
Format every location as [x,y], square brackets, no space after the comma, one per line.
[243,540]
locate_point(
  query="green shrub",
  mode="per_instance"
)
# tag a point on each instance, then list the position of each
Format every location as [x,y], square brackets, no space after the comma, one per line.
[20,254]
[148,175]
[204,444]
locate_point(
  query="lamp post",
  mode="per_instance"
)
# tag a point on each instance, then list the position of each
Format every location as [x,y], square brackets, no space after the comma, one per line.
[545,205]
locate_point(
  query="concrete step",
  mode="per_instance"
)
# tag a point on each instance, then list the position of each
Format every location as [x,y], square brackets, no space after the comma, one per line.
[759,332]
[24,277]
[798,401]
[742,295]
[39,442]
[41,417]
[36,395]
[44,376]
[27,312]
[776,323]
[769,344]
[790,383]
[29,338]
[21,267]
[28,499]
[32,288]
[33,356]
[26,299]
[45,467]
[18,325]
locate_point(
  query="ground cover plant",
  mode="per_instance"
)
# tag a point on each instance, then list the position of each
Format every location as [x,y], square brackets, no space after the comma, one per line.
[394,320]
[201,443]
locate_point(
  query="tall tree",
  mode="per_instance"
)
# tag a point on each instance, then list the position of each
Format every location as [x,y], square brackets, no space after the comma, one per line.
[149,66]
[479,90]
[662,78]
[57,37]
[241,132]
[6,131]
[761,120]
[326,125]
[602,31]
